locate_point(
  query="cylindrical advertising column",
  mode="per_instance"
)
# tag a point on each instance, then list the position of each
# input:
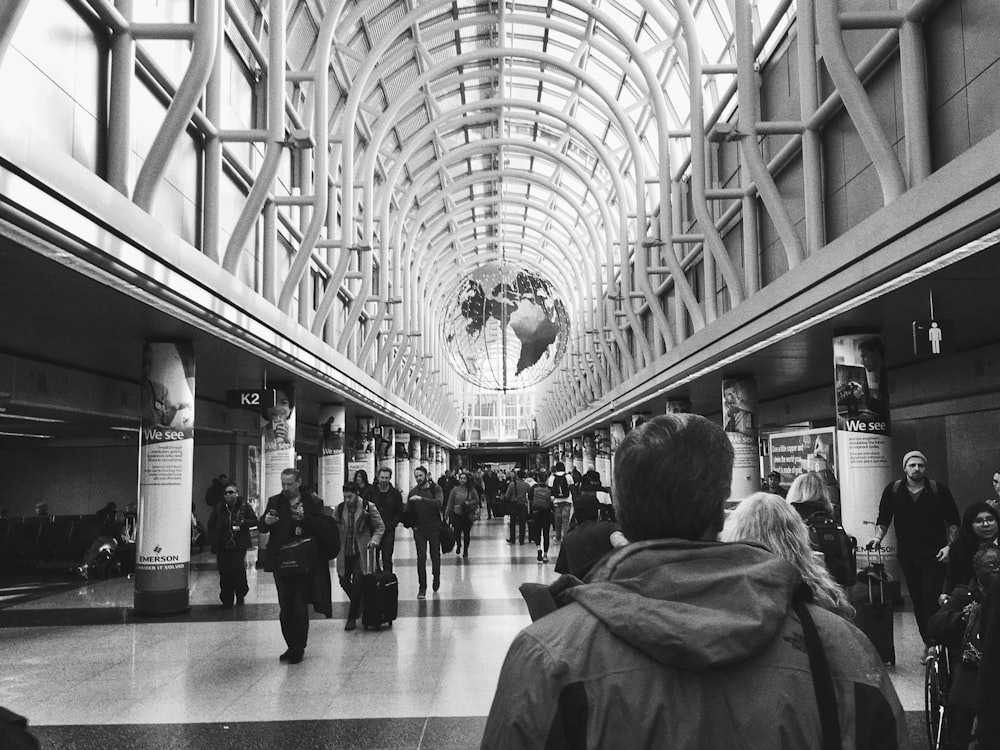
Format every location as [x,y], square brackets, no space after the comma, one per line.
[366,433]
[278,434]
[385,446]
[635,420]
[403,476]
[617,434]
[166,471]
[576,455]
[589,452]
[739,420]
[602,453]
[864,445]
[333,423]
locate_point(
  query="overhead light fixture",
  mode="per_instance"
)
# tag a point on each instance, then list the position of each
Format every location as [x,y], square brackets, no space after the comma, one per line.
[126,429]
[26,418]
[25,434]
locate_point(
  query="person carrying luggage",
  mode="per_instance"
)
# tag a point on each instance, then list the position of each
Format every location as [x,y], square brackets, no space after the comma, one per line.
[361,529]
[517,503]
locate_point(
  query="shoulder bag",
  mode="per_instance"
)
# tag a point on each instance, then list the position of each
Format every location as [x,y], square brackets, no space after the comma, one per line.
[297,558]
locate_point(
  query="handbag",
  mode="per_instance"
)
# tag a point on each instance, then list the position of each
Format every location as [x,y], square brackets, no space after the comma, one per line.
[297,558]
[447,538]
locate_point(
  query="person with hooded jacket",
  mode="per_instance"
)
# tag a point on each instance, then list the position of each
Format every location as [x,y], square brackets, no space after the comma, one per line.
[682,642]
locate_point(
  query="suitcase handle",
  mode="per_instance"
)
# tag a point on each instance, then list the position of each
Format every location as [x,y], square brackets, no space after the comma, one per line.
[374,561]
[878,565]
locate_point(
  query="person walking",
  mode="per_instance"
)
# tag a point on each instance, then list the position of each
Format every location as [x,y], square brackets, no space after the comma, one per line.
[562,499]
[389,502]
[229,528]
[425,502]
[361,529]
[365,488]
[516,501]
[463,501]
[927,521]
[291,515]
[540,514]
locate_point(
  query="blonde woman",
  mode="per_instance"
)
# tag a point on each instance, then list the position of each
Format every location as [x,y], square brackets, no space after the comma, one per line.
[806,495]
[770,520]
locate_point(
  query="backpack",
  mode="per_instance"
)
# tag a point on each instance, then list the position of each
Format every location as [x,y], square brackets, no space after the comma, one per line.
[542,497]
[560,487]
[839,549]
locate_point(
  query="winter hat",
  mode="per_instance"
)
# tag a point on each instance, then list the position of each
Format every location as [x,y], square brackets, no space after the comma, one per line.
[914,454]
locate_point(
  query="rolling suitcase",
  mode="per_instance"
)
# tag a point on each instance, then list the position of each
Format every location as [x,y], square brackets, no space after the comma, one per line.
[875,614]
[379,595]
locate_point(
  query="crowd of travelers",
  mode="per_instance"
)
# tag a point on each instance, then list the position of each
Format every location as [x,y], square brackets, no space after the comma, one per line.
[669,592]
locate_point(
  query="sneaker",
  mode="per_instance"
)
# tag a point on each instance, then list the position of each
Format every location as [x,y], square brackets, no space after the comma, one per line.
[350,625]
[539,555]
[458,550]
[437,584]
[545,558]
[422,594]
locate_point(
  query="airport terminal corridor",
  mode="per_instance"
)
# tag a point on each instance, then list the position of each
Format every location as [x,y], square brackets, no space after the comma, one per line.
[87,673]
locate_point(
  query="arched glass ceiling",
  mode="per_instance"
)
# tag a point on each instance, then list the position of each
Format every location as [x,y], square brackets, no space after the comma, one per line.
[542,133]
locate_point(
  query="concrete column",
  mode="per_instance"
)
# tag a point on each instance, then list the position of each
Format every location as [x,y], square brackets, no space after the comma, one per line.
[404,476]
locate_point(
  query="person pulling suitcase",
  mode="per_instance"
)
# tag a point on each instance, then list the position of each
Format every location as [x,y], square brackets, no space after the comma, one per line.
[361,530]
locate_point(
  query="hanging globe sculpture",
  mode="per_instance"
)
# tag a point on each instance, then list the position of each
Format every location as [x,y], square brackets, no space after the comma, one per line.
[505,329]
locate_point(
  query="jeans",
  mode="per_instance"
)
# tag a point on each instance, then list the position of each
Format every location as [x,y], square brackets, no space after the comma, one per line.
[294,593]
[232,574]
[423,538]
[386,547]
[518,518]
[463,527]
[350,582]
[925,581]
[542,520]
[561,516]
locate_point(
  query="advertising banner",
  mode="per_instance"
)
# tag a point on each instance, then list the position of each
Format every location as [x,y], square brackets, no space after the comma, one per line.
[602,454]
[361,454]
[864,445]
[385,447]
[678,405]
[617,434]
[802,451]
[589,453]
[404,479]
[576,456]
[332,420]
[739,420]
[277,429]
[166,474]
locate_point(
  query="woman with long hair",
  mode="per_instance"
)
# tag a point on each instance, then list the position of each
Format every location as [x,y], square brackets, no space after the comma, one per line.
[771,521]
[365,488]
[460,510]
[807,497]
[980,527]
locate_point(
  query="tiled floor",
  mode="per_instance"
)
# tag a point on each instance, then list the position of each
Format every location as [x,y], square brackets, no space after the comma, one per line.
[87,674]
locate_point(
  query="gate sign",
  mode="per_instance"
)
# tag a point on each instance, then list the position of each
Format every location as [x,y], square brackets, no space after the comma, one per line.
[256,399]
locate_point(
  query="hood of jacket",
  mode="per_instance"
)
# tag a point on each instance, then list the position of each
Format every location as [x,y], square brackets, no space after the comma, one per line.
[691,604]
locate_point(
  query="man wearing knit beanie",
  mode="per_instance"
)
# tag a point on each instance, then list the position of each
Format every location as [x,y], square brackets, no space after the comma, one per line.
[927,521]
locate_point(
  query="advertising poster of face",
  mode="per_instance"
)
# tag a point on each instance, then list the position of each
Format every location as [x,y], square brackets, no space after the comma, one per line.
[864,443]
[403,477]
[166,459]
[802,451]
[277,428]
[602,453]
[385,448]
[332,419]
[739,420]
[577,455]
[617,434]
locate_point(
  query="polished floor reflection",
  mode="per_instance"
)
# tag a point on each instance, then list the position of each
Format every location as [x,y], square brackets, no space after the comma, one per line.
[88,674]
